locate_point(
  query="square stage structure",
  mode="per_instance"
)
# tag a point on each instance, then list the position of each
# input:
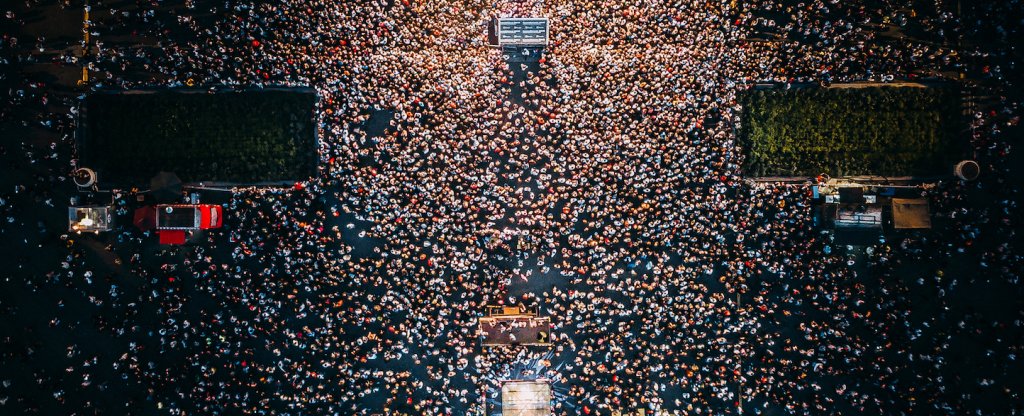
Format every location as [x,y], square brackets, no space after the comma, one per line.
[526,398]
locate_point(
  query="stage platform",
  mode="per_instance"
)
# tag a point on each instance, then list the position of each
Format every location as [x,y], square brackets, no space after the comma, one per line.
[512,326]
[526,398]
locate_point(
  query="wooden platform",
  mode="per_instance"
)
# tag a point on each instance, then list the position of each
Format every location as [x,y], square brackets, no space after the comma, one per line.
[514,326]
[526,398]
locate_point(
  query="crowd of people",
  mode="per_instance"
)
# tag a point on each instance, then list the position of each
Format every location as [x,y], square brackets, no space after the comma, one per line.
[601,185]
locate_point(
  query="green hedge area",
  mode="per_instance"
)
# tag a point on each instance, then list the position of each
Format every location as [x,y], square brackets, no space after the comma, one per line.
[241,137]
[889,131]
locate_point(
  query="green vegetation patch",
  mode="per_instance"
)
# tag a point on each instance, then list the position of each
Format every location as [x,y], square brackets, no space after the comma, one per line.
[240,137]
[889,131]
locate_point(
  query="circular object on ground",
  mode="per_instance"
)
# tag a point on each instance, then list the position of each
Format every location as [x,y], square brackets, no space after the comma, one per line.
[84,177]
[967,170]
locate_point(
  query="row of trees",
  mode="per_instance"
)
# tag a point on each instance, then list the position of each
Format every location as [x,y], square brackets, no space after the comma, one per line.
[891,131]
[233,137]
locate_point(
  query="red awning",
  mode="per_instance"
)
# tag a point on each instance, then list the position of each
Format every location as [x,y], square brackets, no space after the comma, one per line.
[172,237]
[145,218]
[211,216]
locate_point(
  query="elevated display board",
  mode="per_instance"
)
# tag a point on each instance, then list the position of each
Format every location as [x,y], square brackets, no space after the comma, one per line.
[520,31]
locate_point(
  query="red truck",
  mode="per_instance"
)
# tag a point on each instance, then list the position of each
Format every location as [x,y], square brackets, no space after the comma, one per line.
[172,221]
